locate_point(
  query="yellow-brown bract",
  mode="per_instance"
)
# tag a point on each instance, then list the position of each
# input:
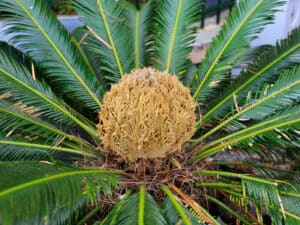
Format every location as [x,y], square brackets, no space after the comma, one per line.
[148,114]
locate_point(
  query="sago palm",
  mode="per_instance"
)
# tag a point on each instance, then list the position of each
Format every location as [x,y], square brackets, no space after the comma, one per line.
[113,124]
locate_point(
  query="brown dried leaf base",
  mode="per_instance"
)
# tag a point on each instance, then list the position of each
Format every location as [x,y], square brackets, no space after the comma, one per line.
[153,173]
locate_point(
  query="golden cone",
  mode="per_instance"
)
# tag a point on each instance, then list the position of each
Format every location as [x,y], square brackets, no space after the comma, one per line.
[148,114]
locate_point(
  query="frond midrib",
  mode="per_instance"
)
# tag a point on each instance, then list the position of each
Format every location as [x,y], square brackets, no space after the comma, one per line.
[108,32]
[238,175]
[173,36]
[141,206]
[136,43]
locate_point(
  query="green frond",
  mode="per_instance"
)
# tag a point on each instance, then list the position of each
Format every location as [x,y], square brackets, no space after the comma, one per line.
[139,21]
[284,93]
[173,211]
[268,196]
[111,218]
[291,204]
[247,19]
[17,82]
[15,149]
[13,120]
[265,69]
[82,39]
[106,20]
[228,209]
[22,153]
[265,169]
[265,194]
[14,53]
[48,44]
[40,192]
[22,128]
[139,209]
[174,33]
[287,119]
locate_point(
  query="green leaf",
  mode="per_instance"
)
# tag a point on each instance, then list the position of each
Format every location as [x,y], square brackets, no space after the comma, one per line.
[137,209]
[82,39]
[174,33]
[265,169]
[228,209]
[175,212]
[172,216]
[284,93]
[14,53]
[247,19]
[48,44]
[289,118]
[291,203]
[106,20]
[15,149]
[268,196]
[17,82]
[37,193]
[14,120]
[264,69]
[139,21]
[275,197]
[10,152]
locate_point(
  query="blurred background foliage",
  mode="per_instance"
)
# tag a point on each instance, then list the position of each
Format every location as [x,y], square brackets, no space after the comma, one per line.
[213,7]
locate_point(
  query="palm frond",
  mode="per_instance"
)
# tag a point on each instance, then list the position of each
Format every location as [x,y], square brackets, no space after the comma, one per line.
[23,127]
[14,120]
[21,153]
[106,20]
[174,211]
[17,82]
[264,193]
[284,93]
[82,39]
[287,119]
[266,168]
[229,210]
[13,149]
[247,19]
[111,218]
[139,21]
[14,53]
[198,210]
[174,33]
[264,69]
[36,192]
[48,44]
[138,209]
[290,196]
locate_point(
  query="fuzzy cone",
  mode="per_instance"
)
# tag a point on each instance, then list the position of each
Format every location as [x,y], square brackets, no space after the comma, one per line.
[148,114]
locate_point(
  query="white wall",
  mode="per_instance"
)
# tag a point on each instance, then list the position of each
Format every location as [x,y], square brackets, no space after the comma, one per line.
[285,21]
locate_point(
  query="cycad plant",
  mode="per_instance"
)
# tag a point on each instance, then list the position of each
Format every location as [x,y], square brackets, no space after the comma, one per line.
[113,124]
